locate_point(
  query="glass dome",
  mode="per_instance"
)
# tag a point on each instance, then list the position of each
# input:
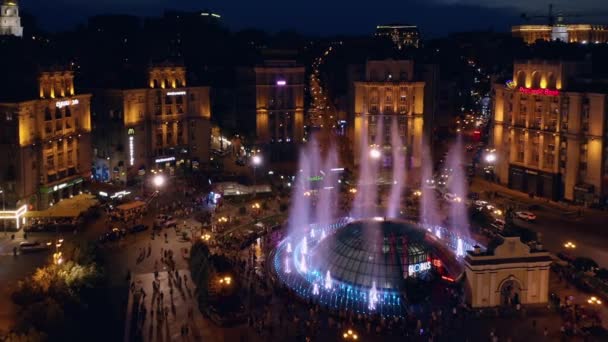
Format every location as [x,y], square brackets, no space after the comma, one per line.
[364,252]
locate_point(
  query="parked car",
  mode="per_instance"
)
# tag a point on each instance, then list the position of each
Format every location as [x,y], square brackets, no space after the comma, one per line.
[32,246]
[138,228]
[452,197]
[525,215]
[170,223]
[113,235]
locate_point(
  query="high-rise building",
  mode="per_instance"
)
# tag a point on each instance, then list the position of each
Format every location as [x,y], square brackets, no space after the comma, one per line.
[389,91]
[401,35]
[10,22]
[570,33]
[279,102]
[45,143]
[161,126]
[549,131]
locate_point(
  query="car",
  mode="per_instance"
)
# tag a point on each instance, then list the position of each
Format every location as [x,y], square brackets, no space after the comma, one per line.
[170,223]
[113,235]
[450,197]
[32,246]
[525,215]
[138,228]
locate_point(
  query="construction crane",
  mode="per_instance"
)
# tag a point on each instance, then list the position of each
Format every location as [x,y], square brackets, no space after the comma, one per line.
[557,18]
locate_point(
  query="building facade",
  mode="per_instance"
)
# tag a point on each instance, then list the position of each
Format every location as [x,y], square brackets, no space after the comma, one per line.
[161,126]
[389,96]
[10,22]
[575,33]
[511,273]
[549,131]
[279,102]
[401,35]
[45,145]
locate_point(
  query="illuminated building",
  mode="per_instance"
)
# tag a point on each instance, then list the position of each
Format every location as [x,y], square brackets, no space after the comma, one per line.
[162,124]
[400,35]
[549,129]
[506,275]
[279,102]
[10,22]
[389,91]
[45,144]
[575,33]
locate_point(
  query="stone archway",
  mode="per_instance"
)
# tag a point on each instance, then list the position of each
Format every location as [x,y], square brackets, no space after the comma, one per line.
[510,291]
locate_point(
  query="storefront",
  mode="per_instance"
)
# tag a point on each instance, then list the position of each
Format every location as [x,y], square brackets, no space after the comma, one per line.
[535,182]
[584,194]
[51,194]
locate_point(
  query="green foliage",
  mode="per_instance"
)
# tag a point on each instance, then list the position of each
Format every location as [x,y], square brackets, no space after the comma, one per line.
[54,299]
[31,335]
[584,264]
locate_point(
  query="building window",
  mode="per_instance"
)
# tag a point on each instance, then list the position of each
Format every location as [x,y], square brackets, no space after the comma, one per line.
[47,114]
[68,112]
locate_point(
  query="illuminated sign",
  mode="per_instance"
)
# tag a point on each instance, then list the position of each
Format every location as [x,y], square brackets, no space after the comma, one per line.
[315,179]
[164,160]
[530,91]
[14,214]
[176,93]
[131,150]
[281,83]
[103,193]
[65,103]
[120,194]
[510,84]
[416,268]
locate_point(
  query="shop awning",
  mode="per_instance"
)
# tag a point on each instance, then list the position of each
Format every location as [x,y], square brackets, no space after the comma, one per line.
[131,205]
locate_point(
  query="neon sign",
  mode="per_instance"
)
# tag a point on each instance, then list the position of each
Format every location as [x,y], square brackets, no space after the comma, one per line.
[176,93]
[164,160]
[530,91]
[65,103]
[417,268]
[131,150]
[281,83]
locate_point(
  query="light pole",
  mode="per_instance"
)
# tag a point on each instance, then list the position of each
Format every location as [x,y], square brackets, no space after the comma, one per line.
[3,209]
[256,160]
[158,181]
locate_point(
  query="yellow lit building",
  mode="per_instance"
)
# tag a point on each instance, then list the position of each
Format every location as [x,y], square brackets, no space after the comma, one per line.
[45,144]
[279,102]
[389,91]
[575,33]
[161,126]
[401,35]
[548,130]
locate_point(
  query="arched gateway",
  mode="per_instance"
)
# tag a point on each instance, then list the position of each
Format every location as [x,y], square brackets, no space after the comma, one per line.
[511,273]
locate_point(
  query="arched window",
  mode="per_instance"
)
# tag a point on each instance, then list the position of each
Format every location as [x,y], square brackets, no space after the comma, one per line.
[47,114]
[536,80]
[551,82]
[155,83]
[68,112]
[521,79]
[58,114]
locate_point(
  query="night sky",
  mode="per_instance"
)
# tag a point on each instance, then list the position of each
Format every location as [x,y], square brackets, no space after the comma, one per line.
[434,17]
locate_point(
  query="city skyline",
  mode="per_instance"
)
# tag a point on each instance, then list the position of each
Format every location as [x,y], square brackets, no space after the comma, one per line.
[319,18]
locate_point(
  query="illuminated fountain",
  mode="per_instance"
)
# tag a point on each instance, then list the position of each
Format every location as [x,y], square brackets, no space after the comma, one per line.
[362,262]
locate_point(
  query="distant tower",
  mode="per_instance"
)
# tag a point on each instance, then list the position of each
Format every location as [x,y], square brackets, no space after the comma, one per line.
[10,22]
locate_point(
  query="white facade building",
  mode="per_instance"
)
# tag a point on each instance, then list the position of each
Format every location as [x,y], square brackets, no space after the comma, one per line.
[10,22]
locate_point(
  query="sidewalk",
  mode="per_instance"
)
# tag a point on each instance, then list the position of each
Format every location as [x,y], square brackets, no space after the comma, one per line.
[7,244]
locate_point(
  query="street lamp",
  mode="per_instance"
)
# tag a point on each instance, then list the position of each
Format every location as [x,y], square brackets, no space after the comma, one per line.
[350,335]
[3,209]
[375,153]
[594,301]
[158,181]
[256,160]
[569,245]
[491,157]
